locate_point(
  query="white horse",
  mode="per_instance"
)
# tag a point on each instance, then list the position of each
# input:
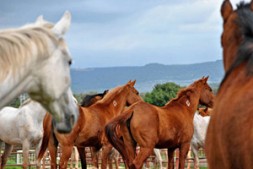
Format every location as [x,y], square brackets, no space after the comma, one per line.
[35,59]
[21,126]
[198,139]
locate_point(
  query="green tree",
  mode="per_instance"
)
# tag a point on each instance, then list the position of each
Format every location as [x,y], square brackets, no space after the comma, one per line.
[162,93]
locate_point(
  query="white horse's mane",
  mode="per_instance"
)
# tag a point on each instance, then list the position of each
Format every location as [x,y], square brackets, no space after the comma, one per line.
[17,45]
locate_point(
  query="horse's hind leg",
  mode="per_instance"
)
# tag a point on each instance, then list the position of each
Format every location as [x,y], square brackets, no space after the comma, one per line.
[7,152]
[116,158]
[52,147]
[105,154]
[141,157]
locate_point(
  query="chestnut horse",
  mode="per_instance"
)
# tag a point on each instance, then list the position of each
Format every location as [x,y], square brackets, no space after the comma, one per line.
[89,129]
[229,140]
[149,126]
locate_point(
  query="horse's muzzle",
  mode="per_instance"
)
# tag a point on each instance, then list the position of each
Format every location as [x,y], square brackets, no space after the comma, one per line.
[64,126]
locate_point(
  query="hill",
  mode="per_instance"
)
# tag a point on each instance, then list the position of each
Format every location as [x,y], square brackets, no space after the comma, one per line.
[99,79]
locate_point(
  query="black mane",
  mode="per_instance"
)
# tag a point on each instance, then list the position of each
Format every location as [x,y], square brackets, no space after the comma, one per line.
[87,100]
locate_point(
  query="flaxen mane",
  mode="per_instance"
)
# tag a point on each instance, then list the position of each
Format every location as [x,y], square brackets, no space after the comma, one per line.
[19,46]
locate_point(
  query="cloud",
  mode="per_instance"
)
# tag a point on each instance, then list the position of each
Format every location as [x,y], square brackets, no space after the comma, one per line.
[112,32]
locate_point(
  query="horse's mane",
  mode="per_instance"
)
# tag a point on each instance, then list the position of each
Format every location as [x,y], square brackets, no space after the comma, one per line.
[245,50]
[19,46]
[181,93]
[87,100]
[185,91]
[108,98]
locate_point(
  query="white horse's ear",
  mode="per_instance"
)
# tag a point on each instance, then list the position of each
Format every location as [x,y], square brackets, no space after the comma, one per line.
[39,20]
[62,26]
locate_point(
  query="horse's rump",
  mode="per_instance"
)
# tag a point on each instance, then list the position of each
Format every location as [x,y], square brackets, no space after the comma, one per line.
[114,129]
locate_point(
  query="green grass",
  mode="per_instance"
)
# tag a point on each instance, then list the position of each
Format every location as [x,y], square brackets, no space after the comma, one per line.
[12,167]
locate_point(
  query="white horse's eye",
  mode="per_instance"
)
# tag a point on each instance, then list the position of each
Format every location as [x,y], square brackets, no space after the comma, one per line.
[70,62]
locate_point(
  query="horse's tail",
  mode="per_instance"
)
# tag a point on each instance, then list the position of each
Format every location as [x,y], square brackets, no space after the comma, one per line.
[47,127]
[115,129]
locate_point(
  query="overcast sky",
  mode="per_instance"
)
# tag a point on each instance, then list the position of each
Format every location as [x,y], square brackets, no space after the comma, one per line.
[107,33]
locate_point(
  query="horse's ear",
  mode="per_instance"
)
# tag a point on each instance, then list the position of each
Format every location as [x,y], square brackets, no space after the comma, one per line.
[205,79]
[226,9]
[251,5]
[39,20]
[133,83]
[62,26]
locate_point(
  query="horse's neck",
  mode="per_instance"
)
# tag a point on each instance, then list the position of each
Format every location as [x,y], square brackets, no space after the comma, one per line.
[191,102]
[11,86]
[118,104]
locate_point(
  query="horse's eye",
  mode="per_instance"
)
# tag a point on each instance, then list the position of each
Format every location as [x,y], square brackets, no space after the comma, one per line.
[70,62]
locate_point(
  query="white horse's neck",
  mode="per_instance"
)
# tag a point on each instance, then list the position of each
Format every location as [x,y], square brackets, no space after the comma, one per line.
[12,87]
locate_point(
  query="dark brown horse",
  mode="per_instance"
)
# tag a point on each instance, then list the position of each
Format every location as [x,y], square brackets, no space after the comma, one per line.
[149,126]
[229,141]
[89,129]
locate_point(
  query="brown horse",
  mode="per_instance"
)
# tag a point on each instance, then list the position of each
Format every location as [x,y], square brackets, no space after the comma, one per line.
[229,140]
[149,126]
[89,129]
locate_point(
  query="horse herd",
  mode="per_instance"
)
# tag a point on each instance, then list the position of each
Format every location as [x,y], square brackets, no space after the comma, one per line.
[119,118]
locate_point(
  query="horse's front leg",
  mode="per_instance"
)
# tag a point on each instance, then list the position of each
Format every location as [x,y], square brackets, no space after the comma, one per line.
[66,154]
[25,148]
[183,150]
[82,155]
[37,150]
[106,149]
[94,156]
[7,152]
[170,153]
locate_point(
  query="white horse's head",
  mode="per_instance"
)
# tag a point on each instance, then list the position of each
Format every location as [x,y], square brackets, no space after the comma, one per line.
[52,78]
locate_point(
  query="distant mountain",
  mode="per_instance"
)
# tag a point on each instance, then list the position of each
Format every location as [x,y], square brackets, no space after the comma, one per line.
[99,79]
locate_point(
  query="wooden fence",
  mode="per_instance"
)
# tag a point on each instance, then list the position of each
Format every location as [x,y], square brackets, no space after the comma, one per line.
[15,159]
